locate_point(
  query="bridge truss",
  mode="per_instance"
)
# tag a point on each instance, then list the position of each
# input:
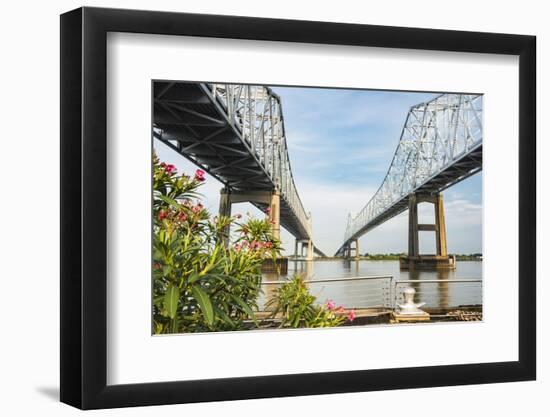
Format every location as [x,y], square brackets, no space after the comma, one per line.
[440,145]
[236,133]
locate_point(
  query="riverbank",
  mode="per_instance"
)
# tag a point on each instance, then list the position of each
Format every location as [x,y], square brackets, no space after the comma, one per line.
[387,257]
[373,316]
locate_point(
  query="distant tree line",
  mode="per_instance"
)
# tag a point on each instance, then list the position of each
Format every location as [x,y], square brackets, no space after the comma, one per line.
[396,256]
[470,257]
[384,256]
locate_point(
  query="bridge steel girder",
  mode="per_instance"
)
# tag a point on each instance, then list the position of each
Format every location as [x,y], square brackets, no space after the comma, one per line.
[235,133]
[441,144]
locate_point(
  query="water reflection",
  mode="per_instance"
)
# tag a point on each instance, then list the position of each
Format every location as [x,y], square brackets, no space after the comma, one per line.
[434,294]
[430,285]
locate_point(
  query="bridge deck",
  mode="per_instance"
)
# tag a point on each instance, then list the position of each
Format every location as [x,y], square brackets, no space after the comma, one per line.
[463,168]
[195,123]
[440,145]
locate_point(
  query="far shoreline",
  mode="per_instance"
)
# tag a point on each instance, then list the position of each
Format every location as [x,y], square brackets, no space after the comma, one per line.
[389,257]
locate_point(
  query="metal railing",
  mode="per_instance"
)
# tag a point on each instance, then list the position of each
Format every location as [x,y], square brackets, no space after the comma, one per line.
[441,293]
[384,291]
[373,291]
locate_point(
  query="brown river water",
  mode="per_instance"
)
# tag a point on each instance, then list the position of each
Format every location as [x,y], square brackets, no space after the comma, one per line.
[379,283]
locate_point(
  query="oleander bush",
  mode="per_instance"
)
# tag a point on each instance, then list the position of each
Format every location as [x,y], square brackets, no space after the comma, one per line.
[200,282]
[297,308]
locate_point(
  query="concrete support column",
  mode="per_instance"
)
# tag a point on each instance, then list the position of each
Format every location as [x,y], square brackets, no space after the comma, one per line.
[440,230]
[413,226]
[357,249]
[270,198]
[309,255]
[225,211]
[225,203]
[275,214]
[439,261]
[347,252]
[295,248]
[438,227]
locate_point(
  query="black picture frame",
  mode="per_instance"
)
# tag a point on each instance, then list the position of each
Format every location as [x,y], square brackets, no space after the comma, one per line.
[84,207]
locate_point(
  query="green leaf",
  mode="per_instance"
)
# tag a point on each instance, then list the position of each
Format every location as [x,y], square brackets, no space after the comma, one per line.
[169,201]
[245,307]
[223,315]
[171,300]
[166,270]
[204,303]
[193,277]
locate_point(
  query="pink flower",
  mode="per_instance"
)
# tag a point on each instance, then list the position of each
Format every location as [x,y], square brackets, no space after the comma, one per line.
[170,169]
[340,309]
[162,215]
[268,210]
[330,305]
[199,175]
[352,315]
[197,209]
[238,247]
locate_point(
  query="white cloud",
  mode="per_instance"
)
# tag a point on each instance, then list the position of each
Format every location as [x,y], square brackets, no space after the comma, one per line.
[341,144]
[329,206]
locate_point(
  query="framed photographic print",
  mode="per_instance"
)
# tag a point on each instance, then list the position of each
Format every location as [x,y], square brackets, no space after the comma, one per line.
[258,208]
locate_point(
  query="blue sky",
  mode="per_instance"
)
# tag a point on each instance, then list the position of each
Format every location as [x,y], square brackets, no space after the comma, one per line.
[341,143]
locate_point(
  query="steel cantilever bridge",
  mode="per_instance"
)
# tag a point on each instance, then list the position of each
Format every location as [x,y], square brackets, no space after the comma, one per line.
[236,133]
[440,145]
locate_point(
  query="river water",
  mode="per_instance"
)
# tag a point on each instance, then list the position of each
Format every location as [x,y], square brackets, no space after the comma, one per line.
[435,288]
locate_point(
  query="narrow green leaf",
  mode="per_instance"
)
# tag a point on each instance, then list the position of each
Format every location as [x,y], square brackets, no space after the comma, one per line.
[193,277]
[171,300]
[245,307]
[166,270]
[169,200]
[204,303]
[223,315]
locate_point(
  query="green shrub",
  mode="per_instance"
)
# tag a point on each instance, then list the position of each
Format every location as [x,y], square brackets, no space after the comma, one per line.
[199,283]
[298,308]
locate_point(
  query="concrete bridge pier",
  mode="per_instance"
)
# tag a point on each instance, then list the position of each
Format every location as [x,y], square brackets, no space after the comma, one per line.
[225,210]
[309,252]
[271,199]
[275,214]
[306,244]
[355,249]
[415,260]
[347,252]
